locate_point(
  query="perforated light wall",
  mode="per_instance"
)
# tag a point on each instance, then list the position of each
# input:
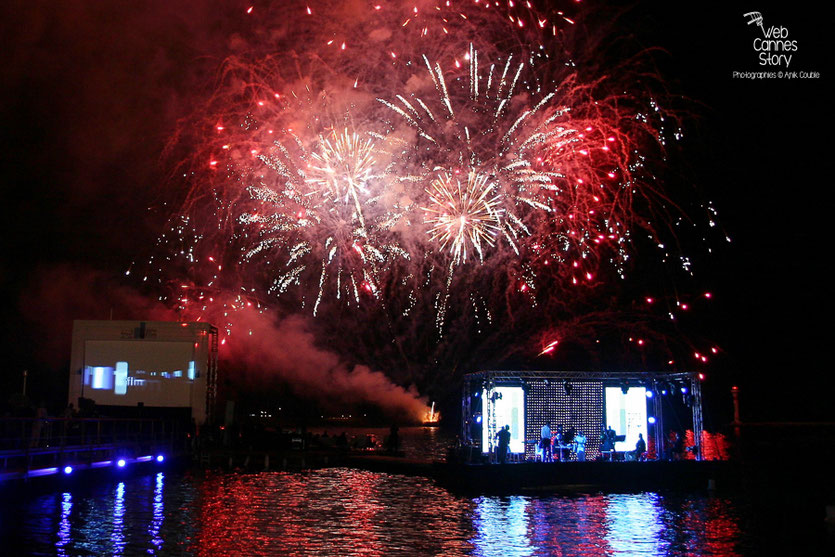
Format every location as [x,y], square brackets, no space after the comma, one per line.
[577,404]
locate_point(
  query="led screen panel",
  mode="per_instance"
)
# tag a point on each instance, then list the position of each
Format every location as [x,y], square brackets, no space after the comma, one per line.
[509,409]
[578,405]
[627,415]
[127,372]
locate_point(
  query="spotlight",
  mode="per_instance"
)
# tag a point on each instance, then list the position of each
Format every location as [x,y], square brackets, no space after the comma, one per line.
[478,419]
[68,470]
[160,458]
[651,419]
[684,390]
[121,463]
[649,394]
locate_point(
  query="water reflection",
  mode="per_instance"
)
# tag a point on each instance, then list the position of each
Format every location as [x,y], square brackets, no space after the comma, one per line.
[158,516]
[572,525]
[64,524]
[501,525]
[633,525]
[118,536]
[351,512]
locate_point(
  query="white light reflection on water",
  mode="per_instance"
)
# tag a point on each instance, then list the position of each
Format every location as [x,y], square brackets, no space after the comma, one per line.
[158,515]
[634,524]
[64,525]
[501,525]
[118,534]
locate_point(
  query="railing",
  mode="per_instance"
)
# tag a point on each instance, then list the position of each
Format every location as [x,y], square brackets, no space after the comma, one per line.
[36,443]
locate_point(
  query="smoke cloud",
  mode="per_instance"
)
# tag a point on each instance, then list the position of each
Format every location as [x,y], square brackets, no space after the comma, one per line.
[287,349]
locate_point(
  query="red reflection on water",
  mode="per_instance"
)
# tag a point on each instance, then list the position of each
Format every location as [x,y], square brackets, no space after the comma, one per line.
[365,513]
[721,529]
[713,530]
[225,508]
[341,511]
[326,512]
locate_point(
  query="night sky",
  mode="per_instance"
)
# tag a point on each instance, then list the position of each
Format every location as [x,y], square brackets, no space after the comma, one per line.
[91,92]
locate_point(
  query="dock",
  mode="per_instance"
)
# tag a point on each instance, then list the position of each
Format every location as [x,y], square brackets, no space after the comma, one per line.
[33,448]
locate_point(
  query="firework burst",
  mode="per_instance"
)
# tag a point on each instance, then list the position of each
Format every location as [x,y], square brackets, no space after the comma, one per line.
[445,158]
[463,217]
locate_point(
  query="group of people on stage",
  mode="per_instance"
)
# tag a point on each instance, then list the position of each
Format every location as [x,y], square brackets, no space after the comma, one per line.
[561,444]
[557,446]
[608,437]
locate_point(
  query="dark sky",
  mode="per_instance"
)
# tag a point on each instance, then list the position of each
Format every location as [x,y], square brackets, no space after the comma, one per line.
[91,91]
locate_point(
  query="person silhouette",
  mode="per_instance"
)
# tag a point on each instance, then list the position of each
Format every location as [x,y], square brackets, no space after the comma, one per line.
[504,442]
[580,446]
[640,447]
[545,442]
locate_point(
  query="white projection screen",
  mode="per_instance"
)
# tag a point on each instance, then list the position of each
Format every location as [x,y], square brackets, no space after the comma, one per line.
[509,410]
[127,372]
[627,415]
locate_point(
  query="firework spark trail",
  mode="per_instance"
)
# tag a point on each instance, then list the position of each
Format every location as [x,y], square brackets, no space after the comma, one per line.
[361,36]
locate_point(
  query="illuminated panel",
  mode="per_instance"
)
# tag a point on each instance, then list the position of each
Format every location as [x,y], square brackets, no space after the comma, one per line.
[121,387]
[507,410]
[100,377]
[41,472]
[627,415]
[582,409]
[127,372]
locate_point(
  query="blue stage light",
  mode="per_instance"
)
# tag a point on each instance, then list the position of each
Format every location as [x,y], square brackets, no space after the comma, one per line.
[68,470]
[684,390]
[478,419]
[160,458]
[121,463]
[651,419]
[649,394]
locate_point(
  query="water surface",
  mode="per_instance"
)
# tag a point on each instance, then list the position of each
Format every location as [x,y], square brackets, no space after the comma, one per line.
[352,512]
